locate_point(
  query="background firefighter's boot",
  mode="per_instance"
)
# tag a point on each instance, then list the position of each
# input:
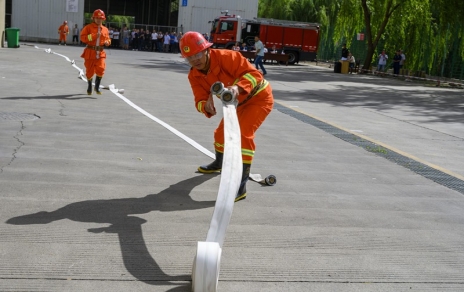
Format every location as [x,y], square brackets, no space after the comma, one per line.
[89,86]
[241,194]
[97,85]
[214,166]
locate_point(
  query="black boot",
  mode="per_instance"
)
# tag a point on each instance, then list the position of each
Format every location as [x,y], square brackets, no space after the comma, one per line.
[214,166]
[89,86]
[241,194]
[97,85]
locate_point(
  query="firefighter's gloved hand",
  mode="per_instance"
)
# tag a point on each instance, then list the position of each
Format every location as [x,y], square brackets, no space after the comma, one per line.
[209,106]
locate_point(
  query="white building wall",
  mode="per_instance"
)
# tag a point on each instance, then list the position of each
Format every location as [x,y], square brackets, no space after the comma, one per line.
[197,13]
[39,20]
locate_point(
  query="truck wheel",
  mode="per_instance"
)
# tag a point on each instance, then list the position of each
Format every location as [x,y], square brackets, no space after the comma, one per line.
[293,57]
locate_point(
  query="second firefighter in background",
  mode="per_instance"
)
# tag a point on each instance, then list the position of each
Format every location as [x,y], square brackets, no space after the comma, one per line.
[254,95]
[96,37]
[63,31]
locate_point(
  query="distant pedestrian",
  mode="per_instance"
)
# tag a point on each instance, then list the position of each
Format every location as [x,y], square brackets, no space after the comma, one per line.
[259,55]
[383,58]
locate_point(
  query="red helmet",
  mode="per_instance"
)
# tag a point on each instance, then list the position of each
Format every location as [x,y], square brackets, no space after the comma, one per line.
[99,14]
[192,43]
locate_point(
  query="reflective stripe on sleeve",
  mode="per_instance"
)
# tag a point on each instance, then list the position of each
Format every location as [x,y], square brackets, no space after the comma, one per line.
[250,78]
[200,106]
[265,84]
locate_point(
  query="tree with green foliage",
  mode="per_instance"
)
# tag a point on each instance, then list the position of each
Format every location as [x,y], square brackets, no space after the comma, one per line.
[420,26]
[430,31]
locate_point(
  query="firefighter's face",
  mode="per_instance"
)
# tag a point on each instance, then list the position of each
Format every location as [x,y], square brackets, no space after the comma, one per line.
[198,61]
[98,21]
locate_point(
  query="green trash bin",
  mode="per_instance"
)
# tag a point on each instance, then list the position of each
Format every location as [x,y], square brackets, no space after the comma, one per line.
[12,37]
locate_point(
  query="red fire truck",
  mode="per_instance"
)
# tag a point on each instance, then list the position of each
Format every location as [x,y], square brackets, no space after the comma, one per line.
[298,39]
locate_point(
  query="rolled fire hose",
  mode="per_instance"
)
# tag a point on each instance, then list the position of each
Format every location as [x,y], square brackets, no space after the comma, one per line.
[206,265]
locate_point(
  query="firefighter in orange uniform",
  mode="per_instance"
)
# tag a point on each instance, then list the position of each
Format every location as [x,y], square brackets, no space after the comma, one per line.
[63,31]
[254,94]
[95,36]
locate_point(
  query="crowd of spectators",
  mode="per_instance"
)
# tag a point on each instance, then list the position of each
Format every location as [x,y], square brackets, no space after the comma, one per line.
[144,40]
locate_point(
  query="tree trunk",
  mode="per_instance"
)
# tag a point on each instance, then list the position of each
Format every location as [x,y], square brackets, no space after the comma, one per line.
[372,43]
[369,55]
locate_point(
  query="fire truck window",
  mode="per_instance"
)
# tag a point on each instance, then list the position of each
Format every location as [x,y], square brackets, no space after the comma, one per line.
[214,26]
[253,29]
[227,26]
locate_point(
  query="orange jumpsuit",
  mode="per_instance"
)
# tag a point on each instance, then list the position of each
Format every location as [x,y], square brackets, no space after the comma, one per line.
[231,68]
[94,55]
[63,30]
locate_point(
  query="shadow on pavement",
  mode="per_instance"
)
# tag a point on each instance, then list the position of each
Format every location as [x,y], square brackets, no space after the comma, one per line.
[382,94]
[115,212]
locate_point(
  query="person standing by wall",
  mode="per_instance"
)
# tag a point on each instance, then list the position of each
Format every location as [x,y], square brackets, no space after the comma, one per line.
[95,36]
[167,40]
[75,32]
[125,38]
[63,31]
[259,55]
[253,92]
[116,37]
[154,40]
[159,43]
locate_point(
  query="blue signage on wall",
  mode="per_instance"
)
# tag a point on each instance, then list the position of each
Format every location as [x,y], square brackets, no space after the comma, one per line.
[184,2]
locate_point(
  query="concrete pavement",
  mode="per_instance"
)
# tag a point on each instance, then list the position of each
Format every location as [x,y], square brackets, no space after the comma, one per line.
[94,196]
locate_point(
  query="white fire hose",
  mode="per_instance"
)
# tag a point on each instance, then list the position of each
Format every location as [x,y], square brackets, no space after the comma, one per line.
[205,272]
